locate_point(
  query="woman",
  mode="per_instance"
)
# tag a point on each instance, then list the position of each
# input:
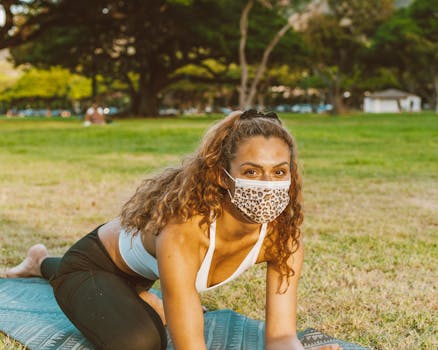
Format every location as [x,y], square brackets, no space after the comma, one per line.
[235,203]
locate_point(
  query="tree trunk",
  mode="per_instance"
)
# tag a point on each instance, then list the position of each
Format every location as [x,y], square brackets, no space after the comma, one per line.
[435,83]
[338,104]
[246,98]
[144,103]
[93,69]
[133,95]
[242,55]
[147,97]
[144,99]
[93,86]
[261,101]
[262,66]
[148,103]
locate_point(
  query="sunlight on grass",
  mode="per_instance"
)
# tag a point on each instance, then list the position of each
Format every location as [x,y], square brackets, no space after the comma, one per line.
[371,211]
[7,343]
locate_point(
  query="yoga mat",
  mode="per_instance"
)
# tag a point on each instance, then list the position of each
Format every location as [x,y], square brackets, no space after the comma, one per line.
[30,314]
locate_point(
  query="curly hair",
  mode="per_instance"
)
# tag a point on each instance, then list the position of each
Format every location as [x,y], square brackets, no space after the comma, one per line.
[193,188]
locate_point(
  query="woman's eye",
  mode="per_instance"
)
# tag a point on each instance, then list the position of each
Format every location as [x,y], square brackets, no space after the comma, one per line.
[280,172]
[250,172]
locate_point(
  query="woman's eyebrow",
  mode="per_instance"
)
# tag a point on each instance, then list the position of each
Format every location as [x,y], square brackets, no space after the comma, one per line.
[261,167]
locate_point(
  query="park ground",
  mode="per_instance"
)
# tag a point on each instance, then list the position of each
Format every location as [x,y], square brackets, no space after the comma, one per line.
[371,211]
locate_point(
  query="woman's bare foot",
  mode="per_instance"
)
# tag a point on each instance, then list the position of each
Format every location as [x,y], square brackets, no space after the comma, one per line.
[155,302]
[31,265]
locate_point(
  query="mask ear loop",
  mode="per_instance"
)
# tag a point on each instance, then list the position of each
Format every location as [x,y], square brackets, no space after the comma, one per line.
[228,190]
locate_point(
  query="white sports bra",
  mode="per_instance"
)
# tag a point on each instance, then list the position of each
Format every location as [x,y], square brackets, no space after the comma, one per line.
[139,260]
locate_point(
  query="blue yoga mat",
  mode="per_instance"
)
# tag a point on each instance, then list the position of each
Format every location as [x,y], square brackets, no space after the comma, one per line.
[30,314]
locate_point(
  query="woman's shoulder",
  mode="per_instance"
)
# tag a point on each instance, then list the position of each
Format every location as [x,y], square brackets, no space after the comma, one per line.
[191,231]
[186,239]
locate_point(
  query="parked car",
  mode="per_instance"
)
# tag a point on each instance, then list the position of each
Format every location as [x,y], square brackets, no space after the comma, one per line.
[190,111]
[31,112]
[302,108]
[225,110]
[283,108]
[323,108]
[168,111]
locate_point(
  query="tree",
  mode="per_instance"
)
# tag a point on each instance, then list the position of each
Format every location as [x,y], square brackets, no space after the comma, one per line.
[51,33]
[46,86]
[140,43]
[338,38]
[425,14]
[8,75]
[408,44]
[281,14]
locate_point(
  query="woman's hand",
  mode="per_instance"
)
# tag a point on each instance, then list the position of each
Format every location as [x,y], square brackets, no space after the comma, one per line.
[292,343]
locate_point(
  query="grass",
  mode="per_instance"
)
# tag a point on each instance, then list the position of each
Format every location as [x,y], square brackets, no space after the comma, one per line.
[371,211]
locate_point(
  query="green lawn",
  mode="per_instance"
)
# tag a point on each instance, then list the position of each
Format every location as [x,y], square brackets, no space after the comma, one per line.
[371,211]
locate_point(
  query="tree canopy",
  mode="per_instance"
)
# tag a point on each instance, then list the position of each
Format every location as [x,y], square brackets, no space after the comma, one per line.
[53,84]
[408,44]
[148,48]
[117,38]
[337,41]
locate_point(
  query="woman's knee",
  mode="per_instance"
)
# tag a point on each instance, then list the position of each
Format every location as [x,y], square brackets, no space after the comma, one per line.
[108,311]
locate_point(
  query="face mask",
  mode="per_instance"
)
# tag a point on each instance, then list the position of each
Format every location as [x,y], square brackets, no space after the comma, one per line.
[261,201]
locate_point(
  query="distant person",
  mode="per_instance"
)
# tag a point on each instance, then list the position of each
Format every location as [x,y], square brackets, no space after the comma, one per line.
[94,115]
[235,203]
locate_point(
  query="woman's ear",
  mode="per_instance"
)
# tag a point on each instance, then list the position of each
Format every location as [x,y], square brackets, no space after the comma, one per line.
[222,180]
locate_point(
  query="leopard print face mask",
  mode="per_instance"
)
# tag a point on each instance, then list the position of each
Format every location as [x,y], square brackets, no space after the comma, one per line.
[261,201]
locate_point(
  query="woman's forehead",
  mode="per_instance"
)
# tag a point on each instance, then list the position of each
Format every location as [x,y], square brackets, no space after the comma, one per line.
[259,149]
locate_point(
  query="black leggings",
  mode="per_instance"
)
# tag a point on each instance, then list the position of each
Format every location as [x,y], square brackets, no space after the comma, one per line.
[101,300]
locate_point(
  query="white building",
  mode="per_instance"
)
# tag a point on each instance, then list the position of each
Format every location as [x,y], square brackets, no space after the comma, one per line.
[391,101]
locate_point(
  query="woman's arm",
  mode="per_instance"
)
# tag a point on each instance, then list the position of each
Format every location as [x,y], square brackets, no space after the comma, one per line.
[281,309]
[177,253]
